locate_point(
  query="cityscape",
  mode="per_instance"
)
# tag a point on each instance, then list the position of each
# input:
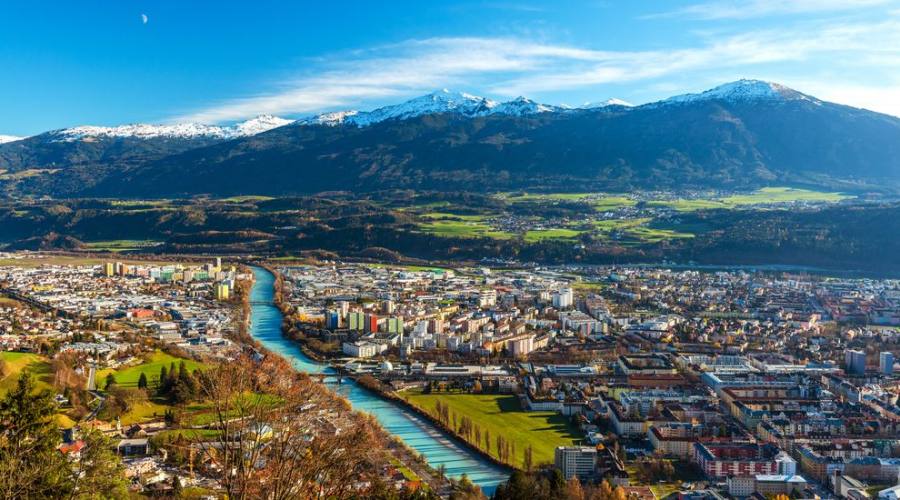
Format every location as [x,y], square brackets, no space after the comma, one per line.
[455,250]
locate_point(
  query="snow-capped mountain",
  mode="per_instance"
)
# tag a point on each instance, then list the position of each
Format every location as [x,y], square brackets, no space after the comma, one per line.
[247,128]
[603,104]
[742,91]
[9,138]
[522,106]
[442,101]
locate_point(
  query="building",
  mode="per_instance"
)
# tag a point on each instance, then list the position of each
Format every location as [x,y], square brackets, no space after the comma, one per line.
[855,362]
[778,484]
[356,320]
[741,486]
[362,349]
[223,291]
[576,461]
[563,299]
[521,345]
[886,363]
[741,460]
[487,298]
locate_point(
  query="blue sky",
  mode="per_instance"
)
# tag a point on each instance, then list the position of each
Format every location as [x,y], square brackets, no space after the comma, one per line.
[67,63]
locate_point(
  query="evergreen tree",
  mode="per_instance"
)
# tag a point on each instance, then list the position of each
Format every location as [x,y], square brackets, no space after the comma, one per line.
[110,381]
[163,380]
[30,465]
[98,473]
[142,381]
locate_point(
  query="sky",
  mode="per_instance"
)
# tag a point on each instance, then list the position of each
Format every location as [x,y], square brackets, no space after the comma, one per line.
[65,63]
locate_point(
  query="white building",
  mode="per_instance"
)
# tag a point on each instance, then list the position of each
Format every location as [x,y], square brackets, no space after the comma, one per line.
[564,298]
[576,461]
[361,349]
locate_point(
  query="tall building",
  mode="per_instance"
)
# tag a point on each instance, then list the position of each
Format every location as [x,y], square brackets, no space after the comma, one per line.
[886,363]
[357,320]
[576,461]
[487,298]
[109,269]
[855,362]
[223,291]
[371,323]
[564,298]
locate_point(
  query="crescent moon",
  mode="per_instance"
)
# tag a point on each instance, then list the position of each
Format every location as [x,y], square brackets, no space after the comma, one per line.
[144,18]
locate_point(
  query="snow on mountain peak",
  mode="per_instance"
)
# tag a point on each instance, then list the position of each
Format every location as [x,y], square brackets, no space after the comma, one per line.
[440,101]
[609,102]
[742,91]
[9,138]
[246,128]
[521,106]
[259,125]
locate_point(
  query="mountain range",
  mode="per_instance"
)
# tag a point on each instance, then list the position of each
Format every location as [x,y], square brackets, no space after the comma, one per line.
[743,134]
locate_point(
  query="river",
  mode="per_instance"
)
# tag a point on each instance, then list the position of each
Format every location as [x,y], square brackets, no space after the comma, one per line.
[416,432]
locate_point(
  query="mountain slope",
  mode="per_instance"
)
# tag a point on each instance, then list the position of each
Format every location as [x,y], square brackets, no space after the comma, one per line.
[740,136]
[65,161]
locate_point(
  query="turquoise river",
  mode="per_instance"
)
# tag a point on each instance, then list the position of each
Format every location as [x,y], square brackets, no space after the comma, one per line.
[418,433]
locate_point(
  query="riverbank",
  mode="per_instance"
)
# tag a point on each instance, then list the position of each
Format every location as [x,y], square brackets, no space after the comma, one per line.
[395,398]
[438,448]
[409,462]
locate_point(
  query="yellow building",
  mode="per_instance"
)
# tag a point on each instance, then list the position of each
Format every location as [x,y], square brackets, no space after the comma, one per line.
[109,269]
[223,292]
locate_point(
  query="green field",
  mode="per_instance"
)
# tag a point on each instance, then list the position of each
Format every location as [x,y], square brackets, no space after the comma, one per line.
[601,201]
[500,414]
[459,226]
[551,234]
[245,198]
[637,230]
[764,196]
[128,377]
[120,245]
[17,362]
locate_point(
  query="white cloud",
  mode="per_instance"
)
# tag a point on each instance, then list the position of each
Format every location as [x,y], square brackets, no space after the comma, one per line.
[747,9]
[507,67]
[884,98]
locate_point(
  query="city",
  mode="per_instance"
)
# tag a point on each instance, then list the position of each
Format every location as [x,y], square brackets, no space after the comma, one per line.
[450,250]
[702,383]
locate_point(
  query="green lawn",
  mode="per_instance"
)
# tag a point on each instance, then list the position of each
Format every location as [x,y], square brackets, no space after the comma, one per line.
[500,414]
[17,362]
[128,377]
[148,410]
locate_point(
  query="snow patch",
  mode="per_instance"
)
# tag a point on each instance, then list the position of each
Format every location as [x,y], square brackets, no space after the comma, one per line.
[247,128]
[9,138]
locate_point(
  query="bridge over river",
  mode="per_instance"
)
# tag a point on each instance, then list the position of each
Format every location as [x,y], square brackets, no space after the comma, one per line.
[437,447]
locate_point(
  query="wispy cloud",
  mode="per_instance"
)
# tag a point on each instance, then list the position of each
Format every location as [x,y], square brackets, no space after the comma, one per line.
[506,67]
[748,9]
[399,69]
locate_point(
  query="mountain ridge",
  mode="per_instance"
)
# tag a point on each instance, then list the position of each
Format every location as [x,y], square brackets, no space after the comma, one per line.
[744,134]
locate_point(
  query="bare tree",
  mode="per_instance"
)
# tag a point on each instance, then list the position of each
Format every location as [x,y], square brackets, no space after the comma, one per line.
[281,435]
